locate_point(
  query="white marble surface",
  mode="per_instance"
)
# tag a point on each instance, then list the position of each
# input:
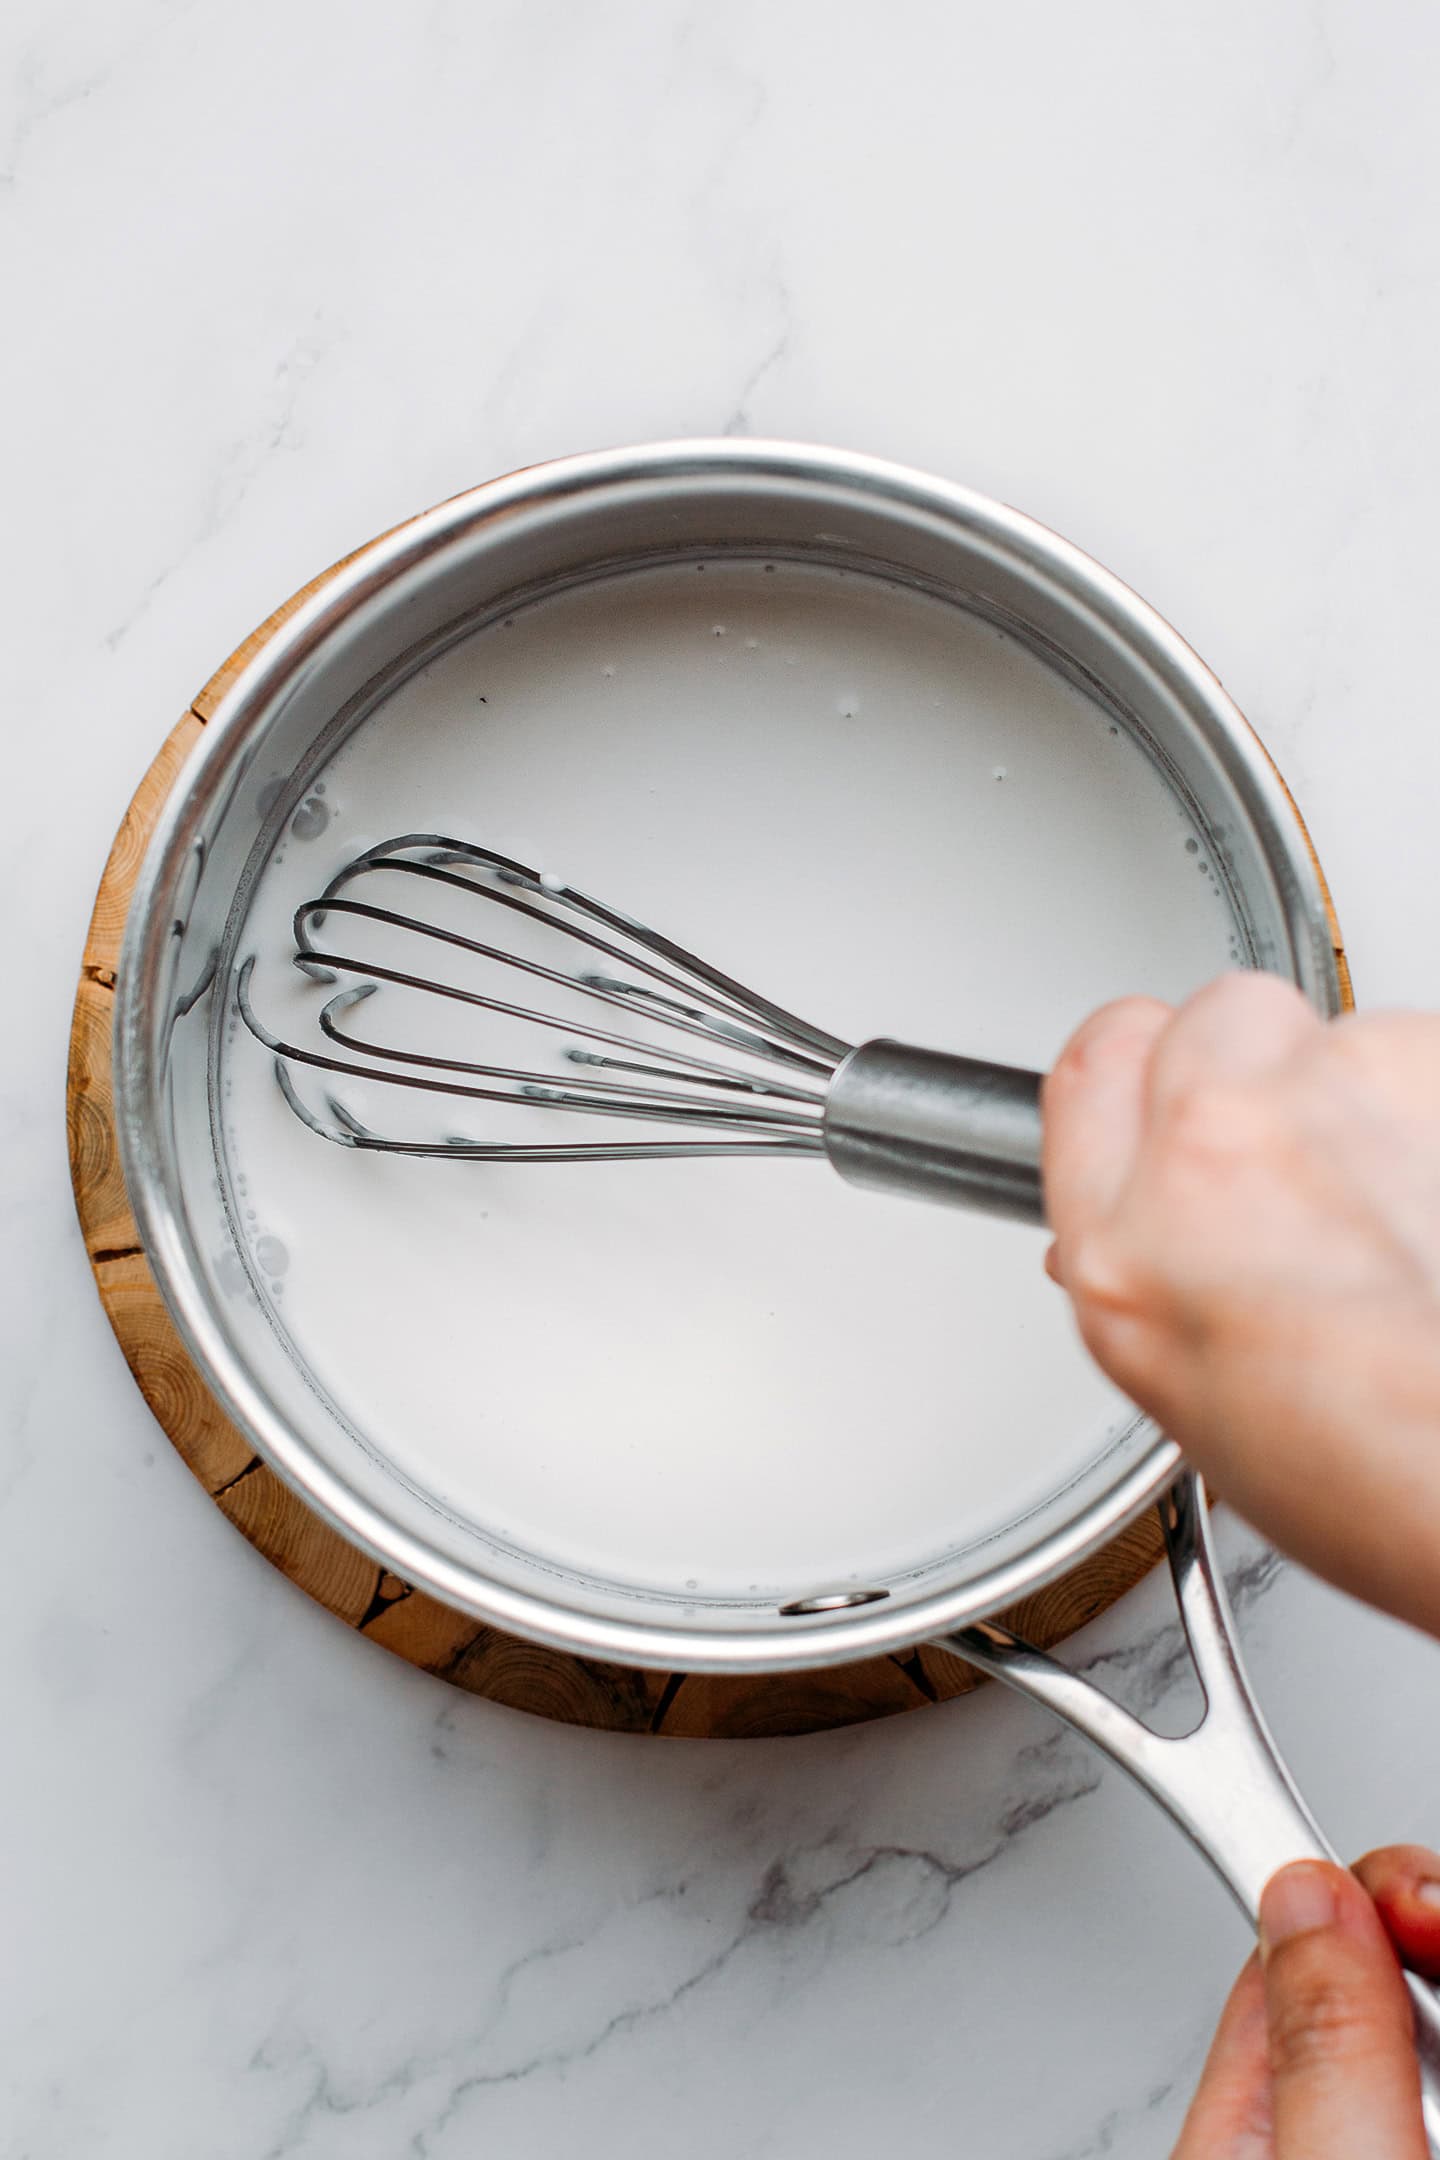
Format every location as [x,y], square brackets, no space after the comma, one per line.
[280,274]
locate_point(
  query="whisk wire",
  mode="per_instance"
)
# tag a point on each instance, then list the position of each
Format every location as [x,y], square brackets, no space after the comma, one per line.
[689,1021]
[776,1108]
[702,1073]
[744,1005]
[769,1131]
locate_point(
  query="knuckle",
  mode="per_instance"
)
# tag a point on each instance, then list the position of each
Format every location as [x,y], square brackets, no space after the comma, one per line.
[1210,1125]
[1247,990]
[1260,999]
[1318,2017]
[1102,1278]
[1115,1305]
[1113,1039]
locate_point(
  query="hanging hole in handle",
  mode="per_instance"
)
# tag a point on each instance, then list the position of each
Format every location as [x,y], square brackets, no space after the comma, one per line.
[828,1601]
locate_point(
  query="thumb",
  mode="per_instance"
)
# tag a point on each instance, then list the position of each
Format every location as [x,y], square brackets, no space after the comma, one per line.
[1342,2061]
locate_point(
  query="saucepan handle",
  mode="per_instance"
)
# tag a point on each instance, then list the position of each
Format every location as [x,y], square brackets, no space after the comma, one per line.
[1224,1782]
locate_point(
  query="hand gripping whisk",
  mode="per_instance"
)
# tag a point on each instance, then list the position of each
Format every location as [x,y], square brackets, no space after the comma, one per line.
[717,1069]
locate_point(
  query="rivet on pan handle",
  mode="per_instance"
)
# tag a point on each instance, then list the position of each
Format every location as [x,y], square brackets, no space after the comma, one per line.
[1224,1781]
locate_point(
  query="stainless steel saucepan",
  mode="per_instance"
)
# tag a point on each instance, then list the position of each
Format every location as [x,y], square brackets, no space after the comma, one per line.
[387,612]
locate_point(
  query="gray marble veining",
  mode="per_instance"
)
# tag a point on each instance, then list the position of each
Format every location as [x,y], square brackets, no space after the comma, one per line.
[1166,279]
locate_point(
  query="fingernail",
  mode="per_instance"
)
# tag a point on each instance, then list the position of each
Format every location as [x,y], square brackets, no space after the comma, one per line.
[1295,1902]
[1428,1891]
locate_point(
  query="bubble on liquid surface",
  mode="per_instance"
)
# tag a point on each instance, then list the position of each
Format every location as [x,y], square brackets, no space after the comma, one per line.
[272,1254]
[848,704]
[1002,772]
[311,819]
[717,629]
[752,644]
[1192,847]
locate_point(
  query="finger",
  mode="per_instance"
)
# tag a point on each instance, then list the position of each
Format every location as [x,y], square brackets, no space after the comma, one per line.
[1236,1028]
[1342,2059]
[1404,1882]
[1094,1111]
[1231,2116]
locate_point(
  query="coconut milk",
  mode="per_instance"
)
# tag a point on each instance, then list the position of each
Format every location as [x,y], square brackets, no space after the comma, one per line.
[728,1377]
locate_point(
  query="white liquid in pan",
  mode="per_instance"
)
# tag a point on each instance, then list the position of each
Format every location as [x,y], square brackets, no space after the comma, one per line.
[727,1376]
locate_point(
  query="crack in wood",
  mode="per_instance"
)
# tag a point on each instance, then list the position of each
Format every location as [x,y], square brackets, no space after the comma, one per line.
[105,1253]
[914,1671]
[447,1667]
[255,1463]
[673,1683]
[382,1599]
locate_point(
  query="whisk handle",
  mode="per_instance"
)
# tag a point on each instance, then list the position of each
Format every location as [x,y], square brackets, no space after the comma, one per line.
[943,1128]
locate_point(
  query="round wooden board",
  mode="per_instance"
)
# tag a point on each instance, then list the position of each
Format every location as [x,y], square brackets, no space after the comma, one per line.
[451,1645]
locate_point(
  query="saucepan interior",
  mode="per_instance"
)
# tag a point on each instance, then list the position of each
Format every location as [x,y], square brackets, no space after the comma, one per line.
[393,610]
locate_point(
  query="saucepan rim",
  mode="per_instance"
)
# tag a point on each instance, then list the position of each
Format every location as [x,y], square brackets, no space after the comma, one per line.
[280,659]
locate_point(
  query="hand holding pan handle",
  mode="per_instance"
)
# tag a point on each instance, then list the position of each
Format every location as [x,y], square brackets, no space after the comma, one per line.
[1223,1782]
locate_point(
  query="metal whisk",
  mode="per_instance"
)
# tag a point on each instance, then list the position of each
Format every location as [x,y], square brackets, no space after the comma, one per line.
[885,1114]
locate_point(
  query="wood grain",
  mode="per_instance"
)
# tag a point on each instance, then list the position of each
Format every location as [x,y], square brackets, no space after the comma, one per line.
[453,1646]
